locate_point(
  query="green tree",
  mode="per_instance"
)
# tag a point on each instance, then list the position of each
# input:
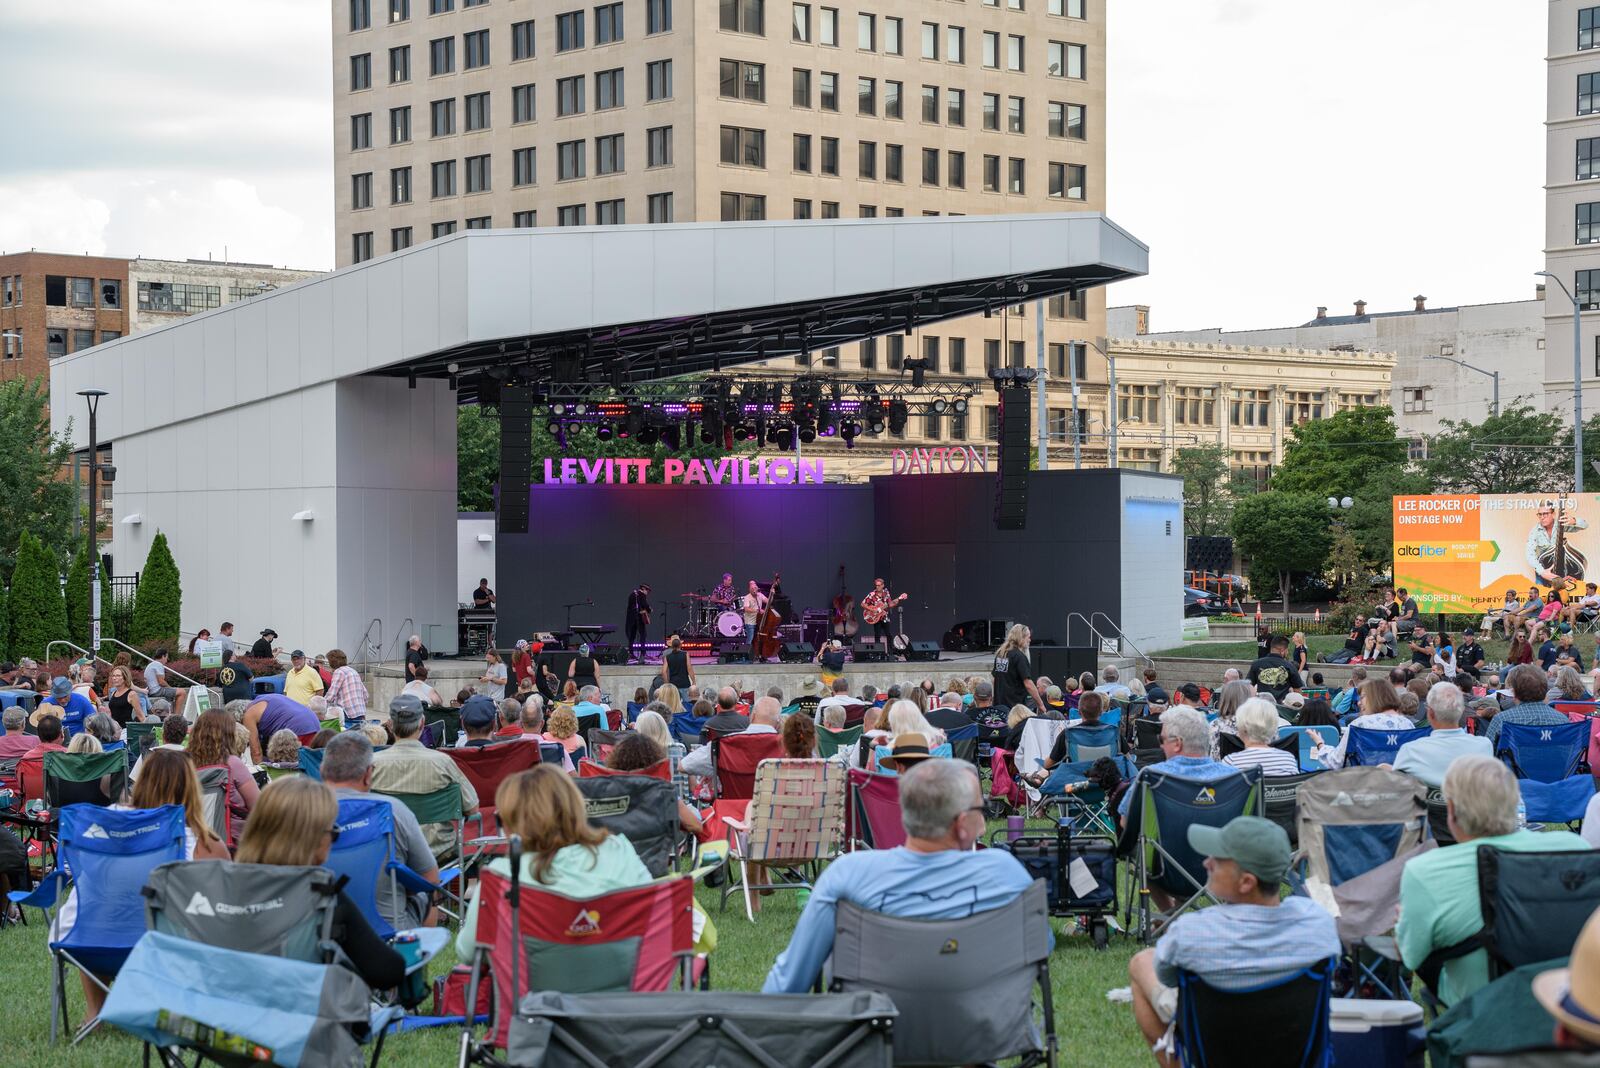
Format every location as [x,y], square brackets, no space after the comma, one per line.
[38,610]
[1207,501]
[1282,535]
[1333,457]
[33,497]
[158,603]
[5,626]
[78,597]
[1518,451]
[477,458]
[1371,519]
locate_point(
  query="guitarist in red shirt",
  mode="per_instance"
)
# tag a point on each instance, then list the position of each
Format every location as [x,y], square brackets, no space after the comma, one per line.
[875,610]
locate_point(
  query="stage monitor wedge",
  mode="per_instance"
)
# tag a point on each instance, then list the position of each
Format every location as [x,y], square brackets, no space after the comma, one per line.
[1011,478]
[516,459]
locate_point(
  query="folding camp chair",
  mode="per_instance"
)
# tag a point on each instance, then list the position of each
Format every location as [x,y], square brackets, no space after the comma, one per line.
[1144,740]
[1086,808]
[450,721]
[688,728]
[1307,737]
[311,761]
[661,769]
[854,715]
[1155,838]
[109,854]
[1534,905]
[1038,738]
[642,808]
[930,969]
[1371,746]
[1280,802]
[85,778]
[964,743]
[590,721]
[1229,744]
[830,741]
[735,759]
[600,742]
[442,806]
[1439,818]
[1091,743]
[532,939]
[795,821]
[874,809]
[1006,794]
[1291,1021]
[366,855]
[214,799]
[1552,769]
[488,766]
[140,735]
[1358,827]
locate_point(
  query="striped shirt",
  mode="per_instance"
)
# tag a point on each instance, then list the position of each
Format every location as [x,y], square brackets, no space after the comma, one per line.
[1271,761]
[348,693]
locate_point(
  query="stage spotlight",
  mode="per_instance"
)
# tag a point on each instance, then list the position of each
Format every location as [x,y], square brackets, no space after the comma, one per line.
[552,426]
[939,406]
[580,409]
[634,423]
[848,431]
[898,414]
[785,438]
[670,438]
[961,406]
[876,425]
[558,409]
[741,433]
[808,433]
[649,436]
[604,432]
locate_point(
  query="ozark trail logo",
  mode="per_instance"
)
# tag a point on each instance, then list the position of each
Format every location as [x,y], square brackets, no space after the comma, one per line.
[96,831]
[199,906]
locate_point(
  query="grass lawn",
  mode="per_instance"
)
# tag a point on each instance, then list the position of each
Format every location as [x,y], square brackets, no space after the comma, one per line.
[1090,1029]
[1494,650]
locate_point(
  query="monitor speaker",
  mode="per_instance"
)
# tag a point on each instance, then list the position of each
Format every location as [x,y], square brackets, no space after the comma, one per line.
[559,660]
[1061,661]
[869,653]
[923,651]
[1011,480]
[516,458]
[795,652]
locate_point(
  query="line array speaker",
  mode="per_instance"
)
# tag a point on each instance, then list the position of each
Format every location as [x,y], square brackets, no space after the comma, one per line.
[516,458]
[1209,554]
[1011,479]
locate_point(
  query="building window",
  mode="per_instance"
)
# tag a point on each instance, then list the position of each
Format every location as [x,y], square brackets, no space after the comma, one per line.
[570,160]
[932,425]
[522,40]
[524,104]
[608,155]
[802,209]
[1586,287]
[955,107]
[84,339]
[1066,120]
[867,159]
[1588,94]
[481,222]
[895,351]
[1013,52]
[1077,352]
[658,80]
[1251,407]
[444,178]
[399,125]
[610,212]
[867,32]
[657,16]
[1588,23]
[991,423]
[1066,60]
[802,88]
[361,247]
[828,91]
[607,25]
[361,131]
[743,147]
[1588,224]
[829,162]
[608,89]
[1301,406]
[399,64]
[569,35]
[742,16]
[441,56]
[444,229]
[1072,9]
[1014,114]
[930,351]
[55,342]
[478,174]
[991,111]
[743,81]
[930,40]
[477,105]
[801,28]
[660,207]
[830,209]
[892,94]
[802,153]
[525,220]
[1014,180]
[828,26]
[743,207]
[441,7]
[867,354]
[399,10]
[178,297]
[1418,400]
[1588,157]
[1194,405]
[525,166]
[571,215]
[658,146]
[83,292]
[955,44]
[1138,404]
[361,72]
[1067,180]
[893,165]
[991,174]
[360,15]
[570,96]
[866,96]
[443,115]
[930,103]
[109,335]
[110,293]
[361,191]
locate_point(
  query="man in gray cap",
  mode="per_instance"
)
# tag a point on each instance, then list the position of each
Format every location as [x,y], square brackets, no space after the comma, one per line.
[408,767]
[1251,938]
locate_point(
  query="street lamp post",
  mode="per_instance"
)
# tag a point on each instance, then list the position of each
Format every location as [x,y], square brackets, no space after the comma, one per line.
[1494,405]
[93,397]
[1577,381]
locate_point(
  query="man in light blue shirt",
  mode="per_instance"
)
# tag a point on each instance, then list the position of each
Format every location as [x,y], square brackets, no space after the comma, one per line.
[588,704]
[935,875]
[1349,698]
[1186,743]
[1250,939]
[1430,758]
[1111,684]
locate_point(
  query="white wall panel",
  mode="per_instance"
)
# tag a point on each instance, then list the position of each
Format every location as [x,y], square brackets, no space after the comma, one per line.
[451,296]
[384,284]
[220,361]
[677,287]
[803,260]
[742,263]
[562,289]
[924,254]
[251,346]
[283,343]
[623,277]
[188,382]
[350,324]
[499,279]
[419,301]
[316,332]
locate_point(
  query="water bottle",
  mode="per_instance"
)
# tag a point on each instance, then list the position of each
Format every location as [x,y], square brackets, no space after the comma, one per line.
[1522,813]
[1014,826]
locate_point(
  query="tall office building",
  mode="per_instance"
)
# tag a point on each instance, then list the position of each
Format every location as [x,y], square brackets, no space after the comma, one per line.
[495,113]
[1572,198]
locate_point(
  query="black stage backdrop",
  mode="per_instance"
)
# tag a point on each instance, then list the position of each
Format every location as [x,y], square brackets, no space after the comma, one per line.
[596,542]
[931,536]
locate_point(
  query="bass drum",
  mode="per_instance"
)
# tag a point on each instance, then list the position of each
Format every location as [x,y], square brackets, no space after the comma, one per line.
[730,625]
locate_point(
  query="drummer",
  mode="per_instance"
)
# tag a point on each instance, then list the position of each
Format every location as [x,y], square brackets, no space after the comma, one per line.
[723,593]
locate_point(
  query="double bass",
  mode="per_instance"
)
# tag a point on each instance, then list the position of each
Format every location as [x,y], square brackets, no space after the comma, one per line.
[1567,563]
[842,619]
[765,644]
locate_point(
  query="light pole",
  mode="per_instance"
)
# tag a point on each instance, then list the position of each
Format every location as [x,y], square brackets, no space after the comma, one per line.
[1577,381]
[1494,405]
[93,397]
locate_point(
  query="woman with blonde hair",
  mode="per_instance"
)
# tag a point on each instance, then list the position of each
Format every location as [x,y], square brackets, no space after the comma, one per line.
[1019,715]
[670,696]
[904,717]
[84,742]
[1232,695]
[653,726]
[294,824]
[563,727]
[122,702]
[1568,686]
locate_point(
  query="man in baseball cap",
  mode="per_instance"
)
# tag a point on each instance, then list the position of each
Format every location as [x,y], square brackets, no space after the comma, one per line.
[1250,938]
[408,767]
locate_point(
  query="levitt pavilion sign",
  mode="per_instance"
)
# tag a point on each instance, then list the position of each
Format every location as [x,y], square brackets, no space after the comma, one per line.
[728,471]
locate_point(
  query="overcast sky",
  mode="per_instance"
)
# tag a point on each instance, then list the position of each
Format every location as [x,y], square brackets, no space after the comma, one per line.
[1274,155]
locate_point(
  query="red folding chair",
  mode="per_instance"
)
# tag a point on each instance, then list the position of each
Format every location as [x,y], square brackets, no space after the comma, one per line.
[1003,782]
[533,939]
[616,719]
[735,758]
[661,769]
[875,808]
[486,767]
[854,714]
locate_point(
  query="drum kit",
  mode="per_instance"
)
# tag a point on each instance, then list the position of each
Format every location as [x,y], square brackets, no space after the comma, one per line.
[710,619]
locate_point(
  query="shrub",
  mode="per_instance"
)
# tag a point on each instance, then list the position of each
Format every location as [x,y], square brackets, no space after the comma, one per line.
[158,603]
[37,609]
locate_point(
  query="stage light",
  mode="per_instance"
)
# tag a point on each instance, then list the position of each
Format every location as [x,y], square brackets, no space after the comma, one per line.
[634,423]
[706,436]
[848,431]
[939,406]
[604,432]
[649,436]
[808,433]
[580,409]
[552,426]
[961,406]
[898,414]
[558,409]
[670,438]
[741,433]
[785,438]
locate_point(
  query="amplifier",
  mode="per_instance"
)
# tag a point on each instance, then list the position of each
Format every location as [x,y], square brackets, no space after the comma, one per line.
[791,632]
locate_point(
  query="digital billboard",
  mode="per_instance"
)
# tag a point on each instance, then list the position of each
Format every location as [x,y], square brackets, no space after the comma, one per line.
[1462,552]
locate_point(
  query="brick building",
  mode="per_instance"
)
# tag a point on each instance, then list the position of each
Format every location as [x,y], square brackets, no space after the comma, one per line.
[52,304]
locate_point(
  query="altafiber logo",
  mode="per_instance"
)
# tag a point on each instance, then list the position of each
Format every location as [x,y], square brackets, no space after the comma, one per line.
[586,923]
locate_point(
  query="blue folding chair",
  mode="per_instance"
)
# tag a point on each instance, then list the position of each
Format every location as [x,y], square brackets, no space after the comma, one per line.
[1371,746]
[106,856]
[687,728]
[1293,1021]
[1091,743]
[1087,806]
[1308,737]
[964,742]
[1552,769]
[268,684]
[311,761]
[366,854]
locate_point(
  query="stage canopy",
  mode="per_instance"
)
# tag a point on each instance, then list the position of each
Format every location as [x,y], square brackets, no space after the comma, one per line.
[298,448]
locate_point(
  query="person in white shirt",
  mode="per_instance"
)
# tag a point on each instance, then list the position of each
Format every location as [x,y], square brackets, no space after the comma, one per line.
[839,698]
[419,688]
[1111,685]
[765,716]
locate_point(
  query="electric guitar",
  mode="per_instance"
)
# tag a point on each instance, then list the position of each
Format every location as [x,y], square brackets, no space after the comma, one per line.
[875,606]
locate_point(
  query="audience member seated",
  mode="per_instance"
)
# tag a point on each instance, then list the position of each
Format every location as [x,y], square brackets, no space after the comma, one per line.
[422,690]
[562,851]
[69,707]
[1186,752]
[208,748]
[347,769]
[1439,903]
[294,824]
[283,749]
[589,704]
[1154,692]
[478,720]
[1252,938]
[1380,710]
[1572,994]
[636,751]
[563,728]
[1317,713]
[30,766]
[409,767]
[174,733]
[950,714]
[1429,758]
[765,717]
[1229,698]
[1257,721]
[726,718]
[1527,685]
[1091,706]
[1567,685]
[904,717]
[1349,698]
[16,740]
[1112,685]
[937,874]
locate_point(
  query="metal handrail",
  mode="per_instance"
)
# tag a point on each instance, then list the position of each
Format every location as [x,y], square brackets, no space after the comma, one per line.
[366,647]
[1094,634]
[62,641]
[148,657]
[405,625]
[1120,634]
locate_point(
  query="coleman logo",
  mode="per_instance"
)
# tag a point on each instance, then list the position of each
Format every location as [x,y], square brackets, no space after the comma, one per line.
[1206,796]
[96,831]
[601,807]
[199,906]
[950,946]
[586,923]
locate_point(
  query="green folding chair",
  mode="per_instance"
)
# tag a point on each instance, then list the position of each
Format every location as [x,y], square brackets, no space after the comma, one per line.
[830,741]
[140,735]
[452,723]
[441,806]
[85,778]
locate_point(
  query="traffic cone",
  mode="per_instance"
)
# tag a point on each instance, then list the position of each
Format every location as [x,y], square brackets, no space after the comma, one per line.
[1316,616]
[1258,611]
